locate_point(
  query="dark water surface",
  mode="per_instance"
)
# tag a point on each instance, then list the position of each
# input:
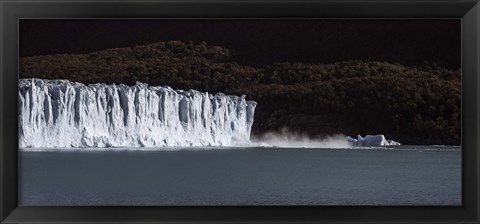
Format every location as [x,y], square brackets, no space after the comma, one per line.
[245,176]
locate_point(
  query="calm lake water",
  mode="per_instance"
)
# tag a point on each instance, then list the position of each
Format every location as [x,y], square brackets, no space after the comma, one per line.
[406,175]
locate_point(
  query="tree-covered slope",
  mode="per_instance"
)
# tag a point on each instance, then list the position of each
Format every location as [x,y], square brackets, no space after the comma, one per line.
[414,105]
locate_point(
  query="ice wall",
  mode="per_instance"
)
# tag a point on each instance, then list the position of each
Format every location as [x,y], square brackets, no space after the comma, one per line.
[60,113]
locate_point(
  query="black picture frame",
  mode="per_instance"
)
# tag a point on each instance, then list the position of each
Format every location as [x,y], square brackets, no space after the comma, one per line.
[13,10]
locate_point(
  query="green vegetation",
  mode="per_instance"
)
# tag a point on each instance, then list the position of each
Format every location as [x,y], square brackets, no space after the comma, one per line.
[414,105]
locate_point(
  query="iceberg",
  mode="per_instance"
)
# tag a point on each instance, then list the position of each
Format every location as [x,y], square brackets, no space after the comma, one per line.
[371,140]
[61,113]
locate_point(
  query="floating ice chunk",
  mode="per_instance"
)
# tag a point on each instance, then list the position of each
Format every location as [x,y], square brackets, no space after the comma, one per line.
[371,140]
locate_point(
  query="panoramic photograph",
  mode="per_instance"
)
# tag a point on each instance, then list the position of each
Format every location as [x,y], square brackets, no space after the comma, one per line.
[240,112]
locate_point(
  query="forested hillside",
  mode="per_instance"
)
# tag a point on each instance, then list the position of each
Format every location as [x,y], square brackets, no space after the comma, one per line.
[414,105]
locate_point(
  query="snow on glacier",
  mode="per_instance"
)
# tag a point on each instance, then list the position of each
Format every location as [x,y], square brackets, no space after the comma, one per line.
[60,113]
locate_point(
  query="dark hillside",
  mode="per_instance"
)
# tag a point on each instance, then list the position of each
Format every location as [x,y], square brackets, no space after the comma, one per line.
[414,105]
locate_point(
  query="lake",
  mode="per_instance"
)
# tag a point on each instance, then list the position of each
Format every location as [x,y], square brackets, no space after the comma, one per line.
[401,175]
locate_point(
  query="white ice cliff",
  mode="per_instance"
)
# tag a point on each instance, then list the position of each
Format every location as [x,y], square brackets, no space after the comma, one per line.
[371,140]
[60,113]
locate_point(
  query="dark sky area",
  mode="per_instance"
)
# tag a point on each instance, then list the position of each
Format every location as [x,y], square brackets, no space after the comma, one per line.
[260,42]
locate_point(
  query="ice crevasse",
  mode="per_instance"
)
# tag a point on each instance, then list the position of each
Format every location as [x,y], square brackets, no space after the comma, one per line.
[61,113]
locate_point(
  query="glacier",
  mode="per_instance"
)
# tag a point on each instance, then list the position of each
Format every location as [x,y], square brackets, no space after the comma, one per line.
[371,140]
[64,114]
